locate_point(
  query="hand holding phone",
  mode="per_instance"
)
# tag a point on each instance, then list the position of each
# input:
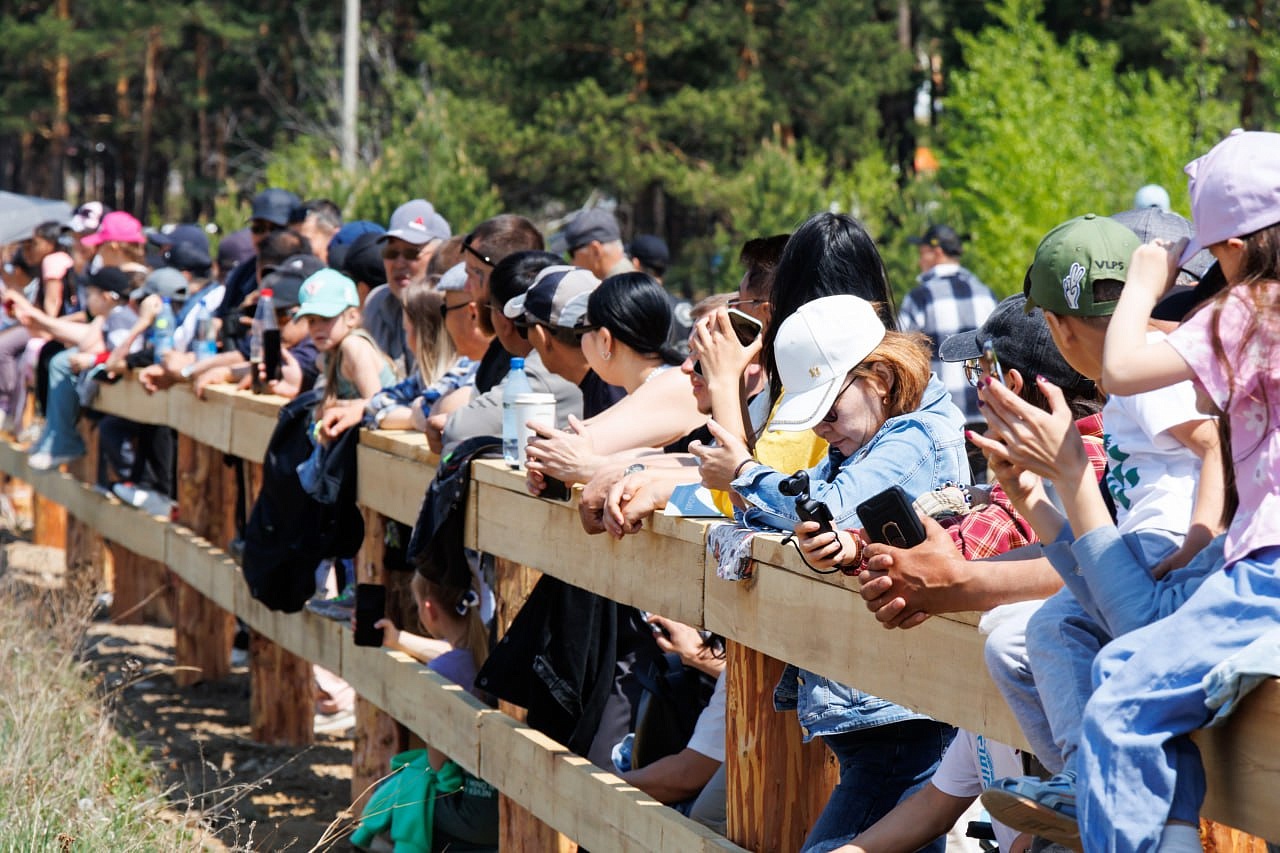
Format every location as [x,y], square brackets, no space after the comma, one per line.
[993,361]
[746,327]
[890,518]
[371,605]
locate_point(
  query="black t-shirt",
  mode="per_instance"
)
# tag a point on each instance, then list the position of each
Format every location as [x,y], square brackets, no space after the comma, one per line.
[494,366]
[598,395]
[305,353]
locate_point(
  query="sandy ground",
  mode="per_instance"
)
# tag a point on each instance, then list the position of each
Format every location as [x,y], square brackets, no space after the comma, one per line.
[252,797]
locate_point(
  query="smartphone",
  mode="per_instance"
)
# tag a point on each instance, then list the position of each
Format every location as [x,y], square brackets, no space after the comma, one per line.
[746,327]
[993,361]
[555,490]
[371,605]
[889,518]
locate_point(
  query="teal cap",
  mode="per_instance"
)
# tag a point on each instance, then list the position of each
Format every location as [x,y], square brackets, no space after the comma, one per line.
[327,293]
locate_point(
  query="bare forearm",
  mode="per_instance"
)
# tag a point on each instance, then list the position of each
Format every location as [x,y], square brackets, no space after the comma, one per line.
[985,584]
[424,649]
[912,824]
[674,778]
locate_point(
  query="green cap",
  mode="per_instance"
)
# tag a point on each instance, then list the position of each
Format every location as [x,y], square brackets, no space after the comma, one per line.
[1071,258]
[327,293]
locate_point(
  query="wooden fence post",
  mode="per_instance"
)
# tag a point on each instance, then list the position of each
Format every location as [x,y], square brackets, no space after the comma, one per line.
[776,786]
[378,735]
[88,569]
[203,631]
[518,828]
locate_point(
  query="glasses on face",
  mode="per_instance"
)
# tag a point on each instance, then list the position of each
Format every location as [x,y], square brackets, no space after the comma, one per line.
[262,226]
[976,368]
[411,253]
[480,256]
[831,415]
[445,308]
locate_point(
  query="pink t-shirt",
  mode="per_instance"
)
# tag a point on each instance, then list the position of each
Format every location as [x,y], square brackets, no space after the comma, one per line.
[55,266]
[1254,409]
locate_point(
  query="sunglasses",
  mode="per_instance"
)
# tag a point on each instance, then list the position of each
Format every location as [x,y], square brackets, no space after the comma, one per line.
[831,415]
[480,256]
[445,308]
[409,254]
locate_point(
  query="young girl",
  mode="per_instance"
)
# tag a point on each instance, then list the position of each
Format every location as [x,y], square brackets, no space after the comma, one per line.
[1142,782]
[445,355]
[450,610]
[354,368]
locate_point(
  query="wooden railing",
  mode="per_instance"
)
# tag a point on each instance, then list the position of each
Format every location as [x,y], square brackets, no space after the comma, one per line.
[786,612]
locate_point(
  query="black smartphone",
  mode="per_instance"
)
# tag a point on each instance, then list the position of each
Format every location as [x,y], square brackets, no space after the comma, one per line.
[746,327]
[889,518]
[371,605]
[555,490]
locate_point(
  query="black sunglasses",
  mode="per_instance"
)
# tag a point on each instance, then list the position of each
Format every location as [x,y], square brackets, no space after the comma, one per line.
[831,416]
[445,308]
[483,258]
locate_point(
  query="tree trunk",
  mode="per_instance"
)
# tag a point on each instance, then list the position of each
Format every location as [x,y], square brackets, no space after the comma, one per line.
[195,206]
[142,183]
[1252,68]
[61,129]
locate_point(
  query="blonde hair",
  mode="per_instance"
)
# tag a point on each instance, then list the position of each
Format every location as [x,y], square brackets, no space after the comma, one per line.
[436,352]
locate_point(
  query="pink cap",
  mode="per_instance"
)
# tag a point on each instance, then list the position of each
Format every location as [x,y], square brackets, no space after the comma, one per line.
[1235,188]
[117,227]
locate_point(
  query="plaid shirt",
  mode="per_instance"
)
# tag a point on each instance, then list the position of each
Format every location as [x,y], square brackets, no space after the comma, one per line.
[997,527]
[949,300]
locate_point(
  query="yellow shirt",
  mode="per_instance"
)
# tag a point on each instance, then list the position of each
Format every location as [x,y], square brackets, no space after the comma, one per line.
[782,451]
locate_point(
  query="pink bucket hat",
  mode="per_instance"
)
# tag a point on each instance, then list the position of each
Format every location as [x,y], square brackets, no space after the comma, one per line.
[117,227]
[1235,188]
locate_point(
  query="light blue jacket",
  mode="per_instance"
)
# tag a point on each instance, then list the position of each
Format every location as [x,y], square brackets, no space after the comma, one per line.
[920,451]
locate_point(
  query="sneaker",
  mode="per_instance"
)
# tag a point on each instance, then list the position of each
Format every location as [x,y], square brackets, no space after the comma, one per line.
[339,609]
[1043,807]
[335,724]
[41,461]
[152,503]
[239,657]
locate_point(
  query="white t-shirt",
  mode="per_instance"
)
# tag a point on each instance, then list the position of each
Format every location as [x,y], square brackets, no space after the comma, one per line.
[186,333]
[1152,475]
[708,733]
[970,765]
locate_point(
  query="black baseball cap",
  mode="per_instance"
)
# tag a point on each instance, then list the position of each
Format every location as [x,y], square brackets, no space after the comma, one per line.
[943,237]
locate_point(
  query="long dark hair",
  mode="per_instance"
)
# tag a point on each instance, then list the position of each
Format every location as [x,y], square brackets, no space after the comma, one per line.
[829,255]
[635,309]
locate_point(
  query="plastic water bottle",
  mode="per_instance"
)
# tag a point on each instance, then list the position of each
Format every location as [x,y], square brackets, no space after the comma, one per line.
[205,344]
[264,342]
[162,330]
[516,383]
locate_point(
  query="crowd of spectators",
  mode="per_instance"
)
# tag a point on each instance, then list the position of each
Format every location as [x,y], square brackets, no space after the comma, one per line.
[1093,461]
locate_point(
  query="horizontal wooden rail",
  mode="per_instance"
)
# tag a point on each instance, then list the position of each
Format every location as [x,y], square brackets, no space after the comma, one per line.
[786,611]
[595,808]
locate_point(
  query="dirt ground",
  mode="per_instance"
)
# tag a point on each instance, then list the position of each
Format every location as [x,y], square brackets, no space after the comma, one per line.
[250,796]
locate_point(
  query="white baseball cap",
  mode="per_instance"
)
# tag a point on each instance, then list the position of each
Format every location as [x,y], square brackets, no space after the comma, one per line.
[815,349]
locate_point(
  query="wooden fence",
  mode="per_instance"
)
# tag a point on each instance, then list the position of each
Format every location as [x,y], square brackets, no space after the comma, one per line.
[785,613]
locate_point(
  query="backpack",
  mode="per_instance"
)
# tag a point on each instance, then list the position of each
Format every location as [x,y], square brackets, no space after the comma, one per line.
[673,698]
[438,533]
[289,532]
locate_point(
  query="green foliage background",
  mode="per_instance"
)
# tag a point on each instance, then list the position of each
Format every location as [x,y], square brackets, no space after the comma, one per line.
[708,122]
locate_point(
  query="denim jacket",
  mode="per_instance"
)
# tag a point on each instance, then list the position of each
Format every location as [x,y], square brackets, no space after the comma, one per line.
[919,451]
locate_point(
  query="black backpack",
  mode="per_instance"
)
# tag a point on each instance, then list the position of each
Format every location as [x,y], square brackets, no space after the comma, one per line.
[289,532]
[438,533]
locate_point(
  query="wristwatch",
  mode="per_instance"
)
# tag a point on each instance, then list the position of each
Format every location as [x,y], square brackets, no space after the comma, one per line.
[633,468]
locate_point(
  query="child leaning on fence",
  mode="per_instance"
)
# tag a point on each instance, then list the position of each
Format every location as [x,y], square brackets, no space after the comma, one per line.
[435,805]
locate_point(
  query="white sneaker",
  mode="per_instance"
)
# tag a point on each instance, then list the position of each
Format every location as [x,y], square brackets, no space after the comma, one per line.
[41,461]
[152,503]
[335,724]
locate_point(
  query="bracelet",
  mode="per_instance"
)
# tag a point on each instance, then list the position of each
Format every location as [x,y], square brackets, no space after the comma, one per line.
[737,472]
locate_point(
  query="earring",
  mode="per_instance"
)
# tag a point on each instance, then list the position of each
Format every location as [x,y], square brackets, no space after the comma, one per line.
[885,401]
[606,355]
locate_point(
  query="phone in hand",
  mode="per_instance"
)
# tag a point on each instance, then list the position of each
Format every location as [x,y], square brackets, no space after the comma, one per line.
[889,518]
[556,490]
[746,327]
[993,361]
[371,605]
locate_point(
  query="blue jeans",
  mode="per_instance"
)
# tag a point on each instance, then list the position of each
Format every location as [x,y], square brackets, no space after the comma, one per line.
[879,767]
[61,410]
[1138,767]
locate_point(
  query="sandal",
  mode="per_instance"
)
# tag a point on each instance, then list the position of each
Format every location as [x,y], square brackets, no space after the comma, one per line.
[1043,807]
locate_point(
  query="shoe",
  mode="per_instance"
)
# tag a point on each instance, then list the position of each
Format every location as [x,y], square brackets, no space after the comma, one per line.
[152,503]
[1043,807]
[239,657]
[339,609]
[41,461]
[335,724]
